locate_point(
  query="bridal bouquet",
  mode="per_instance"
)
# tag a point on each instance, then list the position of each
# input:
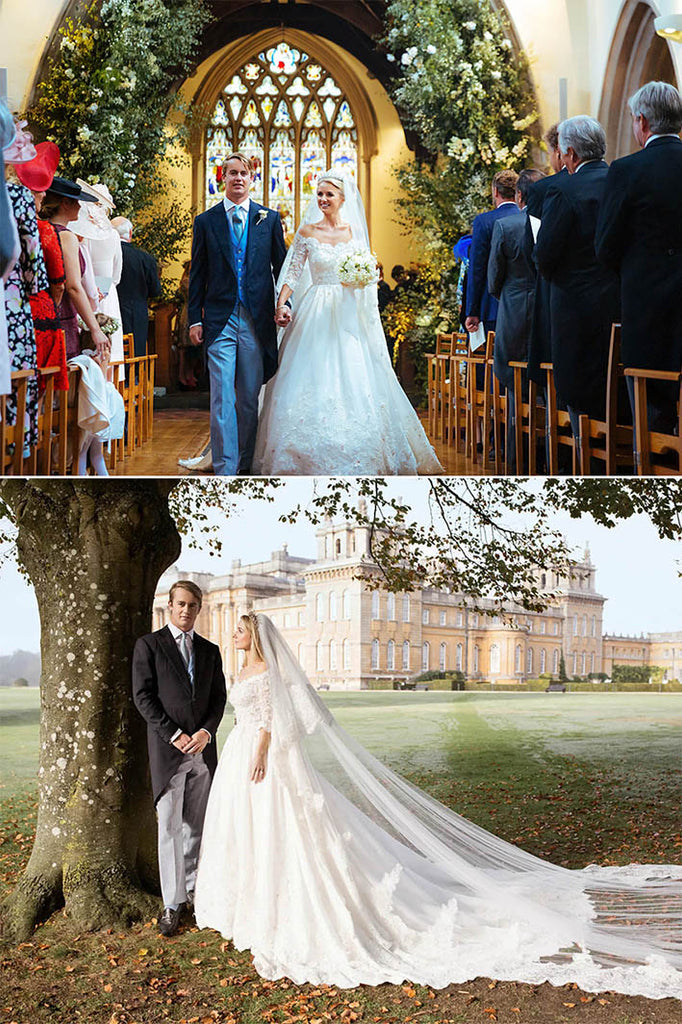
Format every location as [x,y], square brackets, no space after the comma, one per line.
[358,268]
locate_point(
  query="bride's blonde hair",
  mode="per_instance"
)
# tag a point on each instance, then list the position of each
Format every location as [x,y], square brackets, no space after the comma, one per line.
[251,623]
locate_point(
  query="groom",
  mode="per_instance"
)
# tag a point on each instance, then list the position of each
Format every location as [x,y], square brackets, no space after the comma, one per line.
[179,689]
[237,249]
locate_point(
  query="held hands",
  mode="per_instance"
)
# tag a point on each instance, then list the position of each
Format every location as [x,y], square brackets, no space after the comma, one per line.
[102,344]
[192,744]
[282,316]
[259,767]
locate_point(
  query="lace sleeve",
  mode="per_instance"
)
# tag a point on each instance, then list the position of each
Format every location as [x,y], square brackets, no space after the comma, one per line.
[264,703]
[296,261]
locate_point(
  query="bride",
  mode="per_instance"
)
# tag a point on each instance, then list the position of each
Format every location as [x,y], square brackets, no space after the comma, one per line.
[335,405]
[334,870]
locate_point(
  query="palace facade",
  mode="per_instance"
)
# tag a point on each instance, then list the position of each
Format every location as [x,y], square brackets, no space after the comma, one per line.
[350,636]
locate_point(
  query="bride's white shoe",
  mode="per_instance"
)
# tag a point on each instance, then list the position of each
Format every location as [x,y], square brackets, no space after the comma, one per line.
[200,464]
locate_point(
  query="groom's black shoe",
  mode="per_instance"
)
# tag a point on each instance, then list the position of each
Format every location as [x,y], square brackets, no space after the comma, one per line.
[170,920]
[189,905]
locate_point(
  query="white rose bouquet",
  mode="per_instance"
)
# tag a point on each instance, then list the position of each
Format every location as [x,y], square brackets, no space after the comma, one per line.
[358,268]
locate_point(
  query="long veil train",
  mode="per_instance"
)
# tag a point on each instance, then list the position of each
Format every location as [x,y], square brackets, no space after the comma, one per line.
[478,905]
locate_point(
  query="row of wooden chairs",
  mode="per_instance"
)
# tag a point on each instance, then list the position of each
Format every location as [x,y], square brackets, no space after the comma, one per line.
[57,442]
[466,408]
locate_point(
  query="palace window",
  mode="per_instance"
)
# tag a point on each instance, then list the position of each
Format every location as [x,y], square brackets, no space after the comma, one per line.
[332,655]
[390,656]
[443,618]
[517,658]
[319,657]
[543,661]
[425,616]
[345,601]
[460,618]
[375,654]
[477,656]
[529,660]
[443,657]
[285,111]
[495,659]
[333,611]
[346,654]
[594,626]
[406,607]
[425,656]
[390,608]
[555,661]
[406,655]
[319,608]
[375,604]
[459,657]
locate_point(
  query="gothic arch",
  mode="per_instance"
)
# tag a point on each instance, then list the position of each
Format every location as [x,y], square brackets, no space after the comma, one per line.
[637,56]
[239,53]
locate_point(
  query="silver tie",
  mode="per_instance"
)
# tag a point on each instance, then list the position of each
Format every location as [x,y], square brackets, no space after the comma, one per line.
[186,654]
[237,222]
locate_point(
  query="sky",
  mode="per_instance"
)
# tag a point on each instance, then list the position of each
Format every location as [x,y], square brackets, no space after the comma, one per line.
[636,572]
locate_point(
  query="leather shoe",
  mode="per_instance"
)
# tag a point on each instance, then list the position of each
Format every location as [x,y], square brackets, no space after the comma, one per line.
[189,902]
[170,920]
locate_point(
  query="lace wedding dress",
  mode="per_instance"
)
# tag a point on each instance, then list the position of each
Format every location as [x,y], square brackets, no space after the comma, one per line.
[365,879]
[335,405]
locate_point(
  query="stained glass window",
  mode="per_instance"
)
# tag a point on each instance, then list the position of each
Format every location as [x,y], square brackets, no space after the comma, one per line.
[289,115]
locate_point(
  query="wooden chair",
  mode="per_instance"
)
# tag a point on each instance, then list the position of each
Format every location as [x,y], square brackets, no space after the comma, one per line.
[656,454]
[529,421]
[455,392]
[437,367]
[12,438]
[558,425]
[500,439]
[40,460]
[479,401]
[606,439]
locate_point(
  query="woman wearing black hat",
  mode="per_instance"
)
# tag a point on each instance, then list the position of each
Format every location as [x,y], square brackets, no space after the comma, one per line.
[61,205]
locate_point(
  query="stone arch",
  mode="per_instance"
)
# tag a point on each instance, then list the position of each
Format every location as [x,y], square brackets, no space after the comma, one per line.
[239,52]
[637,56]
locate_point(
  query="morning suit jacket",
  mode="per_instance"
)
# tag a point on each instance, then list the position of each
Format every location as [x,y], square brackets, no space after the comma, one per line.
[213,276]
[139,283]
[479,301]
[163,695]
[639,236]
[540,347]
[511,280]
[584,294]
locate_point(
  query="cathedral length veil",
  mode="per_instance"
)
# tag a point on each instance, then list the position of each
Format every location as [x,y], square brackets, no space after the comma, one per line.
[512,916]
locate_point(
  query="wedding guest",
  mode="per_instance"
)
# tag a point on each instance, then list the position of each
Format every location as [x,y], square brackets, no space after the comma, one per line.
[27,277]
[384,290]
[481,306]
[60,206]
[584,295]
[37,176]
[139,283]
[9,245]
[107,262]
[639,235]
[511,280]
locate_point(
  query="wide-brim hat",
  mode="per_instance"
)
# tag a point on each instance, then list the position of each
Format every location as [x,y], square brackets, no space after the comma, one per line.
[100,190]
[64,187]
[21,149]
[37,174]
[86,225]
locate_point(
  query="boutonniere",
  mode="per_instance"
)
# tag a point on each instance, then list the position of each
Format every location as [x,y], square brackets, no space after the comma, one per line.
[262,214]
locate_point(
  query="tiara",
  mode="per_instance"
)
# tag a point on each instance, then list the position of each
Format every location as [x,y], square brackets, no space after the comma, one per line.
[335,178]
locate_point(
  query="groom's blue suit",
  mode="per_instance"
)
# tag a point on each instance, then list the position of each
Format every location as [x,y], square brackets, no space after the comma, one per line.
[231,293]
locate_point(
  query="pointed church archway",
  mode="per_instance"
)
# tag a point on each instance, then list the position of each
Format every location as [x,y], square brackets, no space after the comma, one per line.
[637,56]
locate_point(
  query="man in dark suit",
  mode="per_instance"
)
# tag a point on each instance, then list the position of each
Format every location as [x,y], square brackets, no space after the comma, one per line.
[540,348]
[179,689]
[139,283]
[480,305]
[511,280]
[639,235]
[237,248]
[584,298]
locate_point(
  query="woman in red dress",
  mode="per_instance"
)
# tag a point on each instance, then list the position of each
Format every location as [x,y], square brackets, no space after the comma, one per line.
[37,176]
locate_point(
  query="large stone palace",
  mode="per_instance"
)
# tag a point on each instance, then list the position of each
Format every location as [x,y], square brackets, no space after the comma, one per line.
[350,636]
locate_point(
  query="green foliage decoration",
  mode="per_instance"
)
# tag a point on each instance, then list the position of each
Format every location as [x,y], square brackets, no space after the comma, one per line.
[465,92]
[106,99]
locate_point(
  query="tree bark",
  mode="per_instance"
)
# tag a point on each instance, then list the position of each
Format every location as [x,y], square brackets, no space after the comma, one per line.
[94,551]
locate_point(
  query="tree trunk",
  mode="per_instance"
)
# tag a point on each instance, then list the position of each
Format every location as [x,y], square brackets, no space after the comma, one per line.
[94,551]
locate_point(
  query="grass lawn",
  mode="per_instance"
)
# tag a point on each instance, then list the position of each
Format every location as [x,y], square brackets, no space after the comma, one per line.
[576,778]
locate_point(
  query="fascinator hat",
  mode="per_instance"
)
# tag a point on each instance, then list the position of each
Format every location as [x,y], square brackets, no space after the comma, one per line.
[38,173]
[100,191]
[17,148]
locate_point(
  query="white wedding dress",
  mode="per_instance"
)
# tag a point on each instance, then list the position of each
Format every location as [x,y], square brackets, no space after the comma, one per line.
[380,883]
[335,406]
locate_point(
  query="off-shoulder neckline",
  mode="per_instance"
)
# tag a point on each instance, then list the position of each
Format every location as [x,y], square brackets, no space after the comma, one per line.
[330,245]
[252,675]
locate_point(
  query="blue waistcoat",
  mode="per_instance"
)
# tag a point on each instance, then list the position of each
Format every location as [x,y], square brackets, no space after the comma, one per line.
[239,250]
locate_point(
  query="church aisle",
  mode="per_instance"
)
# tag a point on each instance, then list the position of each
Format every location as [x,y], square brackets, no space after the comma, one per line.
[183,433]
